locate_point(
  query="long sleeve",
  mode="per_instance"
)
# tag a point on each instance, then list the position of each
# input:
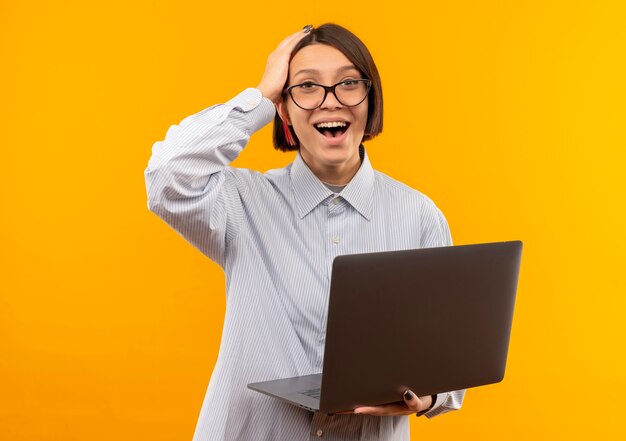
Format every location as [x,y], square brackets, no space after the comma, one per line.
[188,179]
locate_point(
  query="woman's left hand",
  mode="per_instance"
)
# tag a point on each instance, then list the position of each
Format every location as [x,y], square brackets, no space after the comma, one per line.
[411,404]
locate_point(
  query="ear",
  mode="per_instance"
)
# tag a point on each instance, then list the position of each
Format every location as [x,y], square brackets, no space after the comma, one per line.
[281,107]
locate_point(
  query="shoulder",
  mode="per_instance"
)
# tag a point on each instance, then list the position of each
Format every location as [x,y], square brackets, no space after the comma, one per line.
[278,174]
[414,207]
[397,190]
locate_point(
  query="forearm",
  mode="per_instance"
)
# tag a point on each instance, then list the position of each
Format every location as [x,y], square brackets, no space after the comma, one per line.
[208,141]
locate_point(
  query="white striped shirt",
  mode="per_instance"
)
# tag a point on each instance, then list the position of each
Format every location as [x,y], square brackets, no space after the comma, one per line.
[276,235]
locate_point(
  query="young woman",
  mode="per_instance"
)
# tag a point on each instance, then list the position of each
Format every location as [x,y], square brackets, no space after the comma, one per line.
[276,234]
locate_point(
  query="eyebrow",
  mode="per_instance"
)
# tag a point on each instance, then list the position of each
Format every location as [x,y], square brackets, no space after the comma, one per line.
[315,71]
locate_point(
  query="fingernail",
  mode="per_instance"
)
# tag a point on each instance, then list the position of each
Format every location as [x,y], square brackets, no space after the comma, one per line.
[408,395]
[308,28]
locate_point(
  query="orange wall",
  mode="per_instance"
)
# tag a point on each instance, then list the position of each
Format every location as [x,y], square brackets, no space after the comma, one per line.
[510,115]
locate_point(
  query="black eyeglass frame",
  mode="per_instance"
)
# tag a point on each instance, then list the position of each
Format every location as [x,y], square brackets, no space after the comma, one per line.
[329,89]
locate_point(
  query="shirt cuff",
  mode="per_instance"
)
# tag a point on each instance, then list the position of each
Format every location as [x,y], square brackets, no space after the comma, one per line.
[441,398]
[261,110]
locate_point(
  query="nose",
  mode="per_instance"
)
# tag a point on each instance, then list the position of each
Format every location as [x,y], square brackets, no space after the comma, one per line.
[331,102]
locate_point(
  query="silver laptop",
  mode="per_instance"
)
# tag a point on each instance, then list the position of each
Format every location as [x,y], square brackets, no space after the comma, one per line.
[431,320]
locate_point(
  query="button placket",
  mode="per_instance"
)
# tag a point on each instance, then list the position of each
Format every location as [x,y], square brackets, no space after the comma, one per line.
[335,210]
[333,249]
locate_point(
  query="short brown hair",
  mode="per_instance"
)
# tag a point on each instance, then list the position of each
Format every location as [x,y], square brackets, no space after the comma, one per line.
[348,44]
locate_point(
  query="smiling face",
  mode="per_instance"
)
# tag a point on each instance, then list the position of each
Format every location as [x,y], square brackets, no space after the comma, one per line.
[331,134]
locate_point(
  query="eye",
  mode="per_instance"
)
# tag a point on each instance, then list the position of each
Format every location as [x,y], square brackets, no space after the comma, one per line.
[307,88]
[307,85]
[350,84]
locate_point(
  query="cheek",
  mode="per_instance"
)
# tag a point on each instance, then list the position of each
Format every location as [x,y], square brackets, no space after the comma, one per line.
[295,115]
[299,120]
[362,117]
[300,127]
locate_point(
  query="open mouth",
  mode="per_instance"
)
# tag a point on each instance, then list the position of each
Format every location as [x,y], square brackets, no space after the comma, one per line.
[332,129]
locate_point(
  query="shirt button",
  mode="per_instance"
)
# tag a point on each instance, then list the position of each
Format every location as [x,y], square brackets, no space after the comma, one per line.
[335,239]
[336,201]
[319,433]
[252,103]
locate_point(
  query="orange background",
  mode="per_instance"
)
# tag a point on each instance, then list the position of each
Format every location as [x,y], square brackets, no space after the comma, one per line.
[510,115]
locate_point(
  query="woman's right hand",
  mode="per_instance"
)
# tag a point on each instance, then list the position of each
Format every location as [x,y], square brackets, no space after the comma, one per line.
[277,68]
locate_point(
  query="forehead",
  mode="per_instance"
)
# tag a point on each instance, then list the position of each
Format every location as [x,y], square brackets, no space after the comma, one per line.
[320,60]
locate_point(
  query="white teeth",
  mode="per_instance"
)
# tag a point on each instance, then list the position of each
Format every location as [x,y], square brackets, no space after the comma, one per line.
[331,124]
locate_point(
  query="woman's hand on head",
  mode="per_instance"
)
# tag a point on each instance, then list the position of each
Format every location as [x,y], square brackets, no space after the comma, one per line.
[277,68]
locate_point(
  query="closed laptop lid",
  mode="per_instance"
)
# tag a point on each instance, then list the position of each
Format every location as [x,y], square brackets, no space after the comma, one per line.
[430,320]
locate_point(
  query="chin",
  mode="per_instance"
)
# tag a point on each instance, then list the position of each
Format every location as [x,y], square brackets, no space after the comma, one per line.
[338,154]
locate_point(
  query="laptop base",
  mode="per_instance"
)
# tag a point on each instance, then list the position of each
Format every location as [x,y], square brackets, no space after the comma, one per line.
[293,390]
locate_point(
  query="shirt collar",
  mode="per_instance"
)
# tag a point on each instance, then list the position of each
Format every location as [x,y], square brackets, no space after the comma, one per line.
[310,191]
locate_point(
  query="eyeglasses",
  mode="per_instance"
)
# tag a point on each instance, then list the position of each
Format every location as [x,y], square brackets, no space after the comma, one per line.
[310,96]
